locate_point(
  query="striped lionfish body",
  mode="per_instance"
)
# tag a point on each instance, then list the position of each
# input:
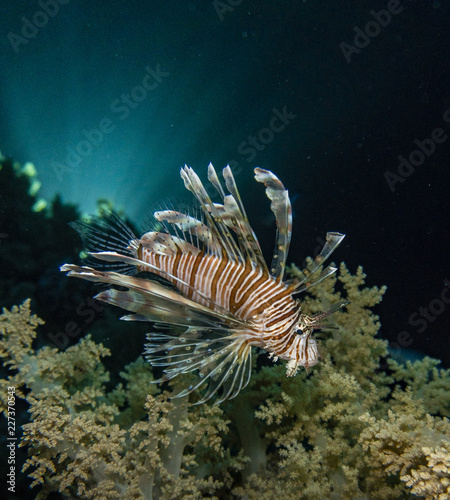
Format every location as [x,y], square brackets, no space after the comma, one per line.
[212,284]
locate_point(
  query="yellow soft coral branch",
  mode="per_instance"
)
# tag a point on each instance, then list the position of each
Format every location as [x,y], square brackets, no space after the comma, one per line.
[344,429]
[83,445]
[433,480]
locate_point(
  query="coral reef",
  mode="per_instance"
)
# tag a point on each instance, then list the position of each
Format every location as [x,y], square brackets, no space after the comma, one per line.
[35,239]
[345,429]
[80,441]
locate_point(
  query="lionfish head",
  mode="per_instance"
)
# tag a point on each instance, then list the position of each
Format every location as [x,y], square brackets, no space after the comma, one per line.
[307,353]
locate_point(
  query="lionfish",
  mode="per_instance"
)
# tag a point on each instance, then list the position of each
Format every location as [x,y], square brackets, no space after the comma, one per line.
[210,282]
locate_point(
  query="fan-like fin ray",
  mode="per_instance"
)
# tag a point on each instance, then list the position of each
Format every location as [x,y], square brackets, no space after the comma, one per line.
[191,226]
[214,180]
[328,271]
[235,209]
[219,230]
[281,207]
[108,234]
[166,244]
[223,362]
[331,243]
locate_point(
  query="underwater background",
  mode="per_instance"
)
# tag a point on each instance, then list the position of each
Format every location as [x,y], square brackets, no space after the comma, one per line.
[348,103]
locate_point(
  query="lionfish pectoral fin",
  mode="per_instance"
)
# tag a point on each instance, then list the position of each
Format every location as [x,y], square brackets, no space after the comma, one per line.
[331,243]
[304,285]
[153,305]
[282,209]
[152,299]
[222,361]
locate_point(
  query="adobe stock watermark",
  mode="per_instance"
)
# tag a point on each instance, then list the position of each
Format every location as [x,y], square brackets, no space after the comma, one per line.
[225,7]
[421,319]
[425,148]
[258,142]
[11,438]
[32,24]
[372,29]
[121,109]
[88,310]
[254,143]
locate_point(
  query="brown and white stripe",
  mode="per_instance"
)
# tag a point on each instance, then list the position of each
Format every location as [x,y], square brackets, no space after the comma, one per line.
[226,298]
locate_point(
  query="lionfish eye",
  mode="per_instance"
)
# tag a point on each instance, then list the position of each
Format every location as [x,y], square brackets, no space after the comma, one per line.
[299,331]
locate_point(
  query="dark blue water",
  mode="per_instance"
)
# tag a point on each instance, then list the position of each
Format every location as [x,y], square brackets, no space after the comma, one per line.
[345,101]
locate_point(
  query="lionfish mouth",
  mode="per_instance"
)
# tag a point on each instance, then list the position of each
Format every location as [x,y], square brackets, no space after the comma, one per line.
[209,280]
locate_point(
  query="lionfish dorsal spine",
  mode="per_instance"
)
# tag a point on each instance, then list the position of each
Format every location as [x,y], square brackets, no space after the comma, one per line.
[214,180]
[187,225]
[214,214]
[247,238]
[282,209]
